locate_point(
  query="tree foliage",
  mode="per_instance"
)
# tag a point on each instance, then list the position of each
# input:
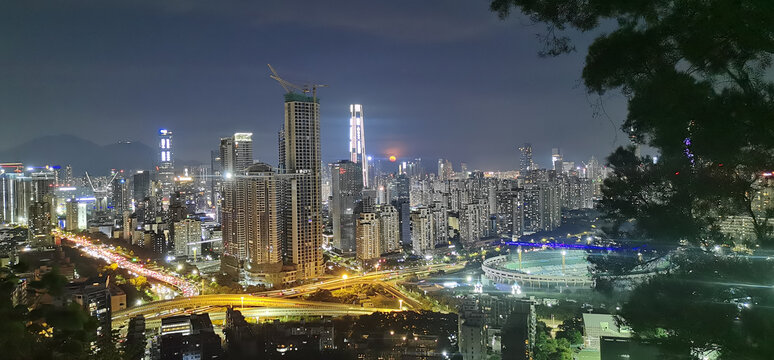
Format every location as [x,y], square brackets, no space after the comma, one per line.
[697,78]
[694,73]
[571,330]
[48,331]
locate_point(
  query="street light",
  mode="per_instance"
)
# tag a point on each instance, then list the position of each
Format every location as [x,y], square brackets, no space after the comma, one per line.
[400,304]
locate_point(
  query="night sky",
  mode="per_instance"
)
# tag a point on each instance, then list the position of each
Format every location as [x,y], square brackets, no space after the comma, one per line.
[437,78]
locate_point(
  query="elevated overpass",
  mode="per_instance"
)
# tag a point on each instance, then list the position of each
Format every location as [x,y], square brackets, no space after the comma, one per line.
[251,305]
[284,302]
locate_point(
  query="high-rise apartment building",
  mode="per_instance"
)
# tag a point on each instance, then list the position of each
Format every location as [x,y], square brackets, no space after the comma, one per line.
[187,237]
[357,150]
[166,164]
[510,213]
[236,153]
[445,169]
[471,326]
[250,216]
[75,216]
[389,229]
[542,206]
[368,236]
[346,185]
[422,231]
[42,217]
[525,161]
[300,147]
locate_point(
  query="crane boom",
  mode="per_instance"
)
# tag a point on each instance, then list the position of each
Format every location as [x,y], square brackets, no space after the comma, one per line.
[90,183]
[289,86]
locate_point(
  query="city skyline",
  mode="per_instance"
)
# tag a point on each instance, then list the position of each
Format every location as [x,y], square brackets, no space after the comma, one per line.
[229,84]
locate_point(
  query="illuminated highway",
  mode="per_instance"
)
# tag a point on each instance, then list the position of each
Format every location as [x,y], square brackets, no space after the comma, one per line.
[111,256]
[282,302]
[253,306]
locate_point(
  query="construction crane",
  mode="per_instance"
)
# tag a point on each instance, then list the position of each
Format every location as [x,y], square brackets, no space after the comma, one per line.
[290,87]
[101,193]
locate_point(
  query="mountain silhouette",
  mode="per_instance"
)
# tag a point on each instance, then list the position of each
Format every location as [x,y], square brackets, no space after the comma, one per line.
[81,154]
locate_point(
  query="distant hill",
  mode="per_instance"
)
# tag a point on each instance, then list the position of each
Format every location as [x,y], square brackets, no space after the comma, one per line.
[82,154]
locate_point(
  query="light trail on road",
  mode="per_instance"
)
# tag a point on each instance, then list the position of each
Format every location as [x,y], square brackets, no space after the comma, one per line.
[105,253]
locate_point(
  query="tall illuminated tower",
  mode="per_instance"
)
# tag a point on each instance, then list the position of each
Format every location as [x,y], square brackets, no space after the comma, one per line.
[302,223]
[357,151]
[236,153]
[525,162]
[166,165]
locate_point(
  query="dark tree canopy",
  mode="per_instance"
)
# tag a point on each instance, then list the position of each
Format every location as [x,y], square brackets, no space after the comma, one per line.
[697,75]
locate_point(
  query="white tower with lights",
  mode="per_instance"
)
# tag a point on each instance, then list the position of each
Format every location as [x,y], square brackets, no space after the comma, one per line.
[357,151]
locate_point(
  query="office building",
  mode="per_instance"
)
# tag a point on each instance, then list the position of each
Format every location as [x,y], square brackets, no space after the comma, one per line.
[19,191]
[166,164]
[141,184]
[357,149]
[346,184]
[120,196]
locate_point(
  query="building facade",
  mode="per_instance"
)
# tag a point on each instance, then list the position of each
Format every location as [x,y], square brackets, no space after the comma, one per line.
[357,149]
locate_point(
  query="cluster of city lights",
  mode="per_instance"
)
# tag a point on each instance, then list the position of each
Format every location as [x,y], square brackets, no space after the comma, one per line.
[105,253]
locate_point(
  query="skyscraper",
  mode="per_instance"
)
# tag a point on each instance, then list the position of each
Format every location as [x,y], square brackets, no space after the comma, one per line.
[300,145]
[236,152]
[445,170]
[357,150]
[403,205]
[346,184]
[556,159]
[166,164]
[120,196]
[525,161]
[141,183]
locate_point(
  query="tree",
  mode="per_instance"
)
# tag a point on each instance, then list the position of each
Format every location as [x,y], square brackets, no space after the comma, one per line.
[571,330]
[47,331]
[695,75]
